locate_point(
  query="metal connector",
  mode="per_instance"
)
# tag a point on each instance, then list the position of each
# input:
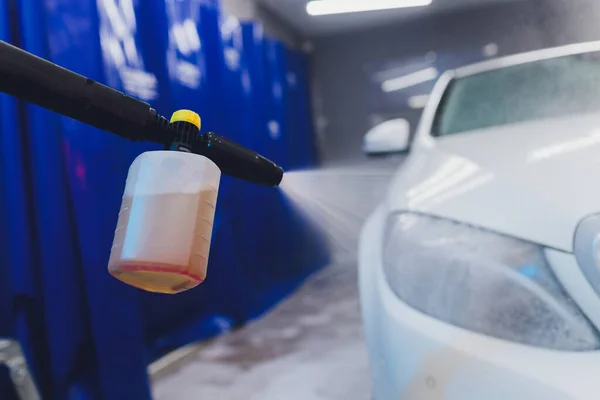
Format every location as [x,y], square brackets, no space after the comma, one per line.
[12,356]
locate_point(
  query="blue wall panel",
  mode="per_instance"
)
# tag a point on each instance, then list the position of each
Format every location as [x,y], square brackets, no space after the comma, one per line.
[187,54]
[276,128]
[208,28]
[270,228]
[293,233]
[275,65]
[255,230]
[238,212]
[279,130]
[256,136]
[302,146]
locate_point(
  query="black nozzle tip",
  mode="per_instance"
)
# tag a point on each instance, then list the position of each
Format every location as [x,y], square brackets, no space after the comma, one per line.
[266,172]
[277,175]
[237,161]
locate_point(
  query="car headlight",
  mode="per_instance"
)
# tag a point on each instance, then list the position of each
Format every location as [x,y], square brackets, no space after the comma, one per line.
[482,281]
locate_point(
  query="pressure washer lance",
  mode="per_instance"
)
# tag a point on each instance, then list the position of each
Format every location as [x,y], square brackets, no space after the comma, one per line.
[163,235]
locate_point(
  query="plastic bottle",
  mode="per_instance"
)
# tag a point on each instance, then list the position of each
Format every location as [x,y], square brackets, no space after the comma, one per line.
[163,235]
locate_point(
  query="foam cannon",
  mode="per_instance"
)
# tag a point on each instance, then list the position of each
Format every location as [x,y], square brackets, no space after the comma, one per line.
[163,235]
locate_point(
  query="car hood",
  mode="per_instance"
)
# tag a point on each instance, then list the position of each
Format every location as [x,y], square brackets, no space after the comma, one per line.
[535,181]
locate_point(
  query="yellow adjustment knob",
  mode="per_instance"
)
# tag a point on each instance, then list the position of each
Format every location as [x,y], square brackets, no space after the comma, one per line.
[186,116]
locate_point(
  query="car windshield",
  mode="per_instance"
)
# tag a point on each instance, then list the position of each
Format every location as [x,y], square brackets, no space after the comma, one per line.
[526,92]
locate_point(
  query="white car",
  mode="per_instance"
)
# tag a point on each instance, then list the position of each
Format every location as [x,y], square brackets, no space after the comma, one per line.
[479,273]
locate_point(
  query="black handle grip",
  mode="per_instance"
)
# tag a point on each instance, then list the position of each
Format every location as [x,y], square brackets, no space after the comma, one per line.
[48,85]
[237,161]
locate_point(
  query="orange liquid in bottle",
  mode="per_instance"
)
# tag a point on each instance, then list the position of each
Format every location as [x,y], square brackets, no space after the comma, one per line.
[162,241]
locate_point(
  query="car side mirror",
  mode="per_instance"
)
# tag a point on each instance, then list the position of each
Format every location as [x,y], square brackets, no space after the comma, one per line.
[388,137]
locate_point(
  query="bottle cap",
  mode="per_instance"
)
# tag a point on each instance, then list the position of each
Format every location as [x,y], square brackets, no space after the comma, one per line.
[186,127]
[186,116]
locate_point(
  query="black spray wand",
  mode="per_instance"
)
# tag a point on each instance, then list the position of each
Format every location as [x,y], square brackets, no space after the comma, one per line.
[50,86]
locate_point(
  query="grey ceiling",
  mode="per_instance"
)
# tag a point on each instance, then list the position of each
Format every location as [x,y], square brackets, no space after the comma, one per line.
[294,12]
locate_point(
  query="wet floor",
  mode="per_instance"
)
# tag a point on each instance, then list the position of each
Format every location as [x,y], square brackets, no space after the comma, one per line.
[309,347]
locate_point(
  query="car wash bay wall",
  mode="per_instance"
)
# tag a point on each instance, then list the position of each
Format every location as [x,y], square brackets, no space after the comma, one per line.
[273,25]
[343,92]
[567,22]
